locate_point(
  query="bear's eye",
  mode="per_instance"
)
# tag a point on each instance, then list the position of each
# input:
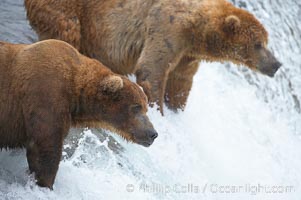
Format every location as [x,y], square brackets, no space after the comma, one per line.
[136,108]
[258,46]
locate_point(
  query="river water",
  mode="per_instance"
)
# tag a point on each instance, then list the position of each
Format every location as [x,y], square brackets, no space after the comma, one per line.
[239,137]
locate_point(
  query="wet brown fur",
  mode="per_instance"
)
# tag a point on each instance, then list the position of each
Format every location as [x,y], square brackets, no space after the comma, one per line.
[47,87]
[161,41]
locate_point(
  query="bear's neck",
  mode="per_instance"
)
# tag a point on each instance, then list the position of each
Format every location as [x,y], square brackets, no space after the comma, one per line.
[204,22]
[87,80]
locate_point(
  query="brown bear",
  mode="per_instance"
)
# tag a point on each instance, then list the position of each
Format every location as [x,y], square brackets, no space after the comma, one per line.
[48,87]
[161,41]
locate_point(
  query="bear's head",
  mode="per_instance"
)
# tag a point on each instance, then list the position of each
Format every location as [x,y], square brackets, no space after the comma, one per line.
[117,104]
[237,36]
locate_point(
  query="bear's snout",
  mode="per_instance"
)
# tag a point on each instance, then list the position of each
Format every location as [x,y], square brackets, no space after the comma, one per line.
[271,71]
[152,134]
[146,137]
[275,68]
[268,64]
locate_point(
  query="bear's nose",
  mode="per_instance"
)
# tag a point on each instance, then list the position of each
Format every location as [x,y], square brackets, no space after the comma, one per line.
[152,134]
[277,65]
[274,69]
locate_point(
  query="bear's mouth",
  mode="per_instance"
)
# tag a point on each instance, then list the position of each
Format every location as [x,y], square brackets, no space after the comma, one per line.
[143,142]
[146,144]
[145,138]
[270,71]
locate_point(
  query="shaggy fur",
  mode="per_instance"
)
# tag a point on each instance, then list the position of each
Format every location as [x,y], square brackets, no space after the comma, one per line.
[160,40]
[47,87]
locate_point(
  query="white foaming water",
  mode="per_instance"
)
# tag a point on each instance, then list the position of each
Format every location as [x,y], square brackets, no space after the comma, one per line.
[239,137]
[225,137]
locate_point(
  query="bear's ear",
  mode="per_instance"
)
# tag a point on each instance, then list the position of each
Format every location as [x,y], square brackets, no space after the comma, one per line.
[231,25]
[111,84]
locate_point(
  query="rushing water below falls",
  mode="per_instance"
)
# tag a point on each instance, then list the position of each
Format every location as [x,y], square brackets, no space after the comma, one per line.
[239,137]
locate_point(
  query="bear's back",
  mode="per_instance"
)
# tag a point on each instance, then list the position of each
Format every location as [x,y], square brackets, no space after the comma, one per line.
[7,55]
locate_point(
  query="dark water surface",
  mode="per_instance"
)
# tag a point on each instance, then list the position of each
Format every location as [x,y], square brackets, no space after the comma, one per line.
[14,26]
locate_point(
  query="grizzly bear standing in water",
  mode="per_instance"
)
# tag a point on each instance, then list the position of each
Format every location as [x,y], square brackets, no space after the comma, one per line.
[47,87]
[161,41]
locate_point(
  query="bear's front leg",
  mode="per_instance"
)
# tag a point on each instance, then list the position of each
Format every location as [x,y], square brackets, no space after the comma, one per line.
[179,83]
[45,129]
[43,160]
[153,68]
[153,83]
